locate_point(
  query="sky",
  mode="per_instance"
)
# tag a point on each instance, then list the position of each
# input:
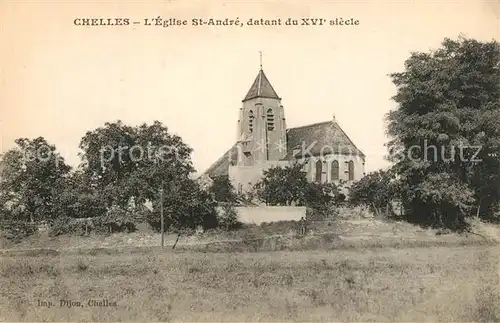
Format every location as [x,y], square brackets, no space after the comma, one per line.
[59,80]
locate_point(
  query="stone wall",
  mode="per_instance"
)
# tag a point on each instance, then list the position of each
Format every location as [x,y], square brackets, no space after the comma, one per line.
[261,214]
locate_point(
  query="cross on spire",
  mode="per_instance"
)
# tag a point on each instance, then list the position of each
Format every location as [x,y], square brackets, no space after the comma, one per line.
[260,54]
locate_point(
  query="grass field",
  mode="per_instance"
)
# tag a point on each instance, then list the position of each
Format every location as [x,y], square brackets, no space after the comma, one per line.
[407,284]
[333,234]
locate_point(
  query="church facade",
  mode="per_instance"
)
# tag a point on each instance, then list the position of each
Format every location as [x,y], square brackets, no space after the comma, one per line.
[263,141]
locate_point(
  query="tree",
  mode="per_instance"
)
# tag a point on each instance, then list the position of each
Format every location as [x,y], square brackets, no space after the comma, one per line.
[227,217]
[282,185]
[445,133]
[288,185]
[320,196]
[376,190]
[32,178]
[124,162]
[223,190]
[186,205]
[80,199]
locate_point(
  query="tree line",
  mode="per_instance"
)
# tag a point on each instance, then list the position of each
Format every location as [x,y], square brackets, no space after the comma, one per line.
[444,150]
[444,137]
[122,168]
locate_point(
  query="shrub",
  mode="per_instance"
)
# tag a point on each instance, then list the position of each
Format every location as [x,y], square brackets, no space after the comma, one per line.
[355,213]
[376,190]
[227,218]
[187,206]
[70,226]
[323,212]
[117,219]
[223,190]
[17,231]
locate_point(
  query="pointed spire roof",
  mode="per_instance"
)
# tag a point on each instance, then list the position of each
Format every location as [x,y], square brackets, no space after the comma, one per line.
[261,88]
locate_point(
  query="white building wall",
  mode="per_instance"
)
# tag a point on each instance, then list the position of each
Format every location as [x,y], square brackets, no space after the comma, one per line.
[244,177]
[359,167]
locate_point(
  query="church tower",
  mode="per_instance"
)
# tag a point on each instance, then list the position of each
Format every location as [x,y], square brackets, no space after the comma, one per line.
[261,125]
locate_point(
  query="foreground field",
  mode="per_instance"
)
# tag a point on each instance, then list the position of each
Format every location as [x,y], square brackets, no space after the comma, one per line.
[411,284]
[279,236]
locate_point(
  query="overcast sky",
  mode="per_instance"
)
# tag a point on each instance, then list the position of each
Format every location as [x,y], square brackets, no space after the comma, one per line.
[59,80]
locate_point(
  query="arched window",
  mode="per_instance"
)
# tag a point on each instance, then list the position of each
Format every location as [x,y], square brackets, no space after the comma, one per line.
[319,170]
[335,171]
[270,120]
[250,120]
[351,170]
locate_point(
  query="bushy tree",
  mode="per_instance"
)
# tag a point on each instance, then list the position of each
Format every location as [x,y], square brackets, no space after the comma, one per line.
[80,199]
[288,185]
[227,218]
[186,205]
[120,164]
[33,177]
[118,219]
[448,100]
[282,185]
[320,196]
[376,190]
[223,190]
[125,162]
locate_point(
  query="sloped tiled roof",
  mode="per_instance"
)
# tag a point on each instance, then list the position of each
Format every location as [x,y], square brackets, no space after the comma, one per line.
[316,139]
[221,166]
[320,139]
[261,88]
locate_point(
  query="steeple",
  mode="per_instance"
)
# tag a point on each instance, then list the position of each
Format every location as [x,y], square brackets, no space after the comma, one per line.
[261,88]
[261,125]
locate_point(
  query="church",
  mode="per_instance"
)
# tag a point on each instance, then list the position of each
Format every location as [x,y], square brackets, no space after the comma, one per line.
[263,141]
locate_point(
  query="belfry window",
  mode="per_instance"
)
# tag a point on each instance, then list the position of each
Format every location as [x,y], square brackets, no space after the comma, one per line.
[250,121]
[270,120]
